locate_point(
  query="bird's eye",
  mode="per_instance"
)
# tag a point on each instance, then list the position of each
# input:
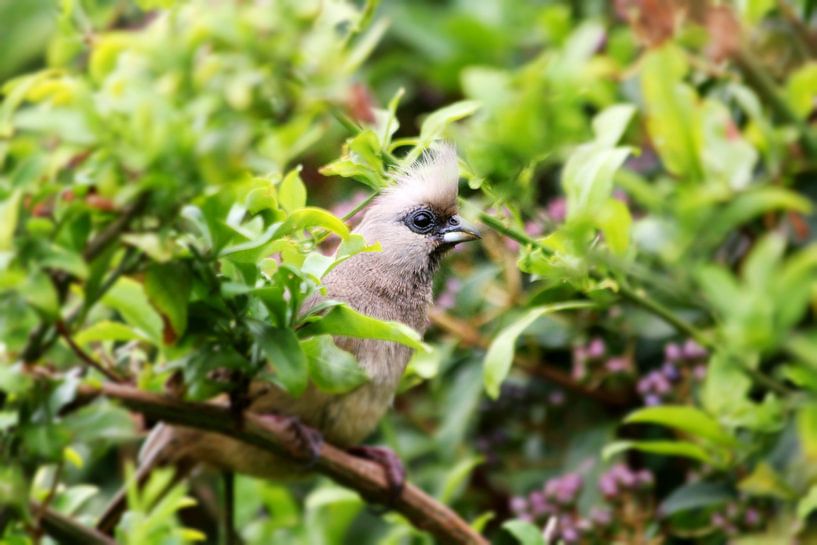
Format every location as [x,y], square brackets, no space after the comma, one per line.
[421,221]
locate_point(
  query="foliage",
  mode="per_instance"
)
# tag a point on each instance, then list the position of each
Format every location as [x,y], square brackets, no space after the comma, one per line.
[629,356]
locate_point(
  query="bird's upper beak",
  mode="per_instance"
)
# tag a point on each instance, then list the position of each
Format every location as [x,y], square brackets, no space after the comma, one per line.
[460,231]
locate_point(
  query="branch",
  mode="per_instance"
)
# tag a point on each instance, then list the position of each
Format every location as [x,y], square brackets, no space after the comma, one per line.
[274,435]
[470,336]
[637,297]
[86,358]
[643,300]
[68,531]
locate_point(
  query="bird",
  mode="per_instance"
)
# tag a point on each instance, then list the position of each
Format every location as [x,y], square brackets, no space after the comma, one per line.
[415,221]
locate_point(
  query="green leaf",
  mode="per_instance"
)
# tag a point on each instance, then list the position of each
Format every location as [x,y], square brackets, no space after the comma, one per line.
[158,249]
[342,320]
[800,88]
[284,352]
[525,532]
[168,288]
[128,298]
[434,125]
[666,448]
[499,357]
[587,178]
[312,217]
[685,418]
[292,191]
[749,205]
[673,116]
[40,293]
[332,369]
[765,481]
[107,330]
[807,430]
[456,477]
[615,221]
[9,213]
[807,504]
[610,124]
[361,160]
[696,495]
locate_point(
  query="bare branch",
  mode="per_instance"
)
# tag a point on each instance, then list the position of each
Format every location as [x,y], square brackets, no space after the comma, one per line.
[273,434]
[68,531]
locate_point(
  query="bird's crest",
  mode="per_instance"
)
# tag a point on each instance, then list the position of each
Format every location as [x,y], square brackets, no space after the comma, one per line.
[431,180]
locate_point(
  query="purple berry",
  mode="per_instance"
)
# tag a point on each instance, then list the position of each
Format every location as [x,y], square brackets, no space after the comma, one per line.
[556,398]
[752,517]
[694,351]
[608,486]
[519,505]
[652,400]
[644,478]
[670,371]
[596,349]
[557,209]
[672,352]
[601,516]
[617,364]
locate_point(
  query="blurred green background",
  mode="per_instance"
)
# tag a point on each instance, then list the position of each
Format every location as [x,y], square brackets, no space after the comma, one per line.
[654,157]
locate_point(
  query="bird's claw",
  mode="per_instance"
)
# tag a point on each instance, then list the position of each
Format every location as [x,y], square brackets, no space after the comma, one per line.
[309,440]
[392,466]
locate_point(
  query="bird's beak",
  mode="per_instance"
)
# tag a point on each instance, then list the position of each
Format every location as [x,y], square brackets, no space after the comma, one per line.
[461,231]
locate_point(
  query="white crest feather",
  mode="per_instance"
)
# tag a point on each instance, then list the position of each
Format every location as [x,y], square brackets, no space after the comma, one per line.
[431,180]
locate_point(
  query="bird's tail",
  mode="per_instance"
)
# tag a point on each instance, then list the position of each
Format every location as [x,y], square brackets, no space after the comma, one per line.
[154,452]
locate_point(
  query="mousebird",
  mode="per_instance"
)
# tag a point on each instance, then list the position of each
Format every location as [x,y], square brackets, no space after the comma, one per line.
[416,222]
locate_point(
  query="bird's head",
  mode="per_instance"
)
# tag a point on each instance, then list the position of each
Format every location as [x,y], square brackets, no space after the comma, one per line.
[416,220]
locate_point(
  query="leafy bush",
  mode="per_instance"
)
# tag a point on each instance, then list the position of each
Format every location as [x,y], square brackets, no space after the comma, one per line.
[629,357]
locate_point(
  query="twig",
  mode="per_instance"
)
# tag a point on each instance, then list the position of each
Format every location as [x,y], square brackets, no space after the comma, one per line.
[471,336]
[228,479]
[101,241]
[68,531]
[637,297]
[643,300]
[274,435]
[62,329]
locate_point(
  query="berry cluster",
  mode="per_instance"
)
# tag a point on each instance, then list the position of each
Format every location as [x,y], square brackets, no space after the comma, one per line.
[554,506]
[738,517]
[593,364]
[683,366]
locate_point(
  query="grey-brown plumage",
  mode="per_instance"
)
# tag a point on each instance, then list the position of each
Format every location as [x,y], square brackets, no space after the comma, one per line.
[415,221]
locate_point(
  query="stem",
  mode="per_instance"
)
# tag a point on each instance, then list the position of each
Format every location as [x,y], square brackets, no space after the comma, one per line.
[275,435]
[85,356]
[228,479]
[641,299]
[67,531]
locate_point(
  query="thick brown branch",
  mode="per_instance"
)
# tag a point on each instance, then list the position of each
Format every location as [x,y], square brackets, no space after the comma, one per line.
[470,336]
[273,434]
[67,531]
